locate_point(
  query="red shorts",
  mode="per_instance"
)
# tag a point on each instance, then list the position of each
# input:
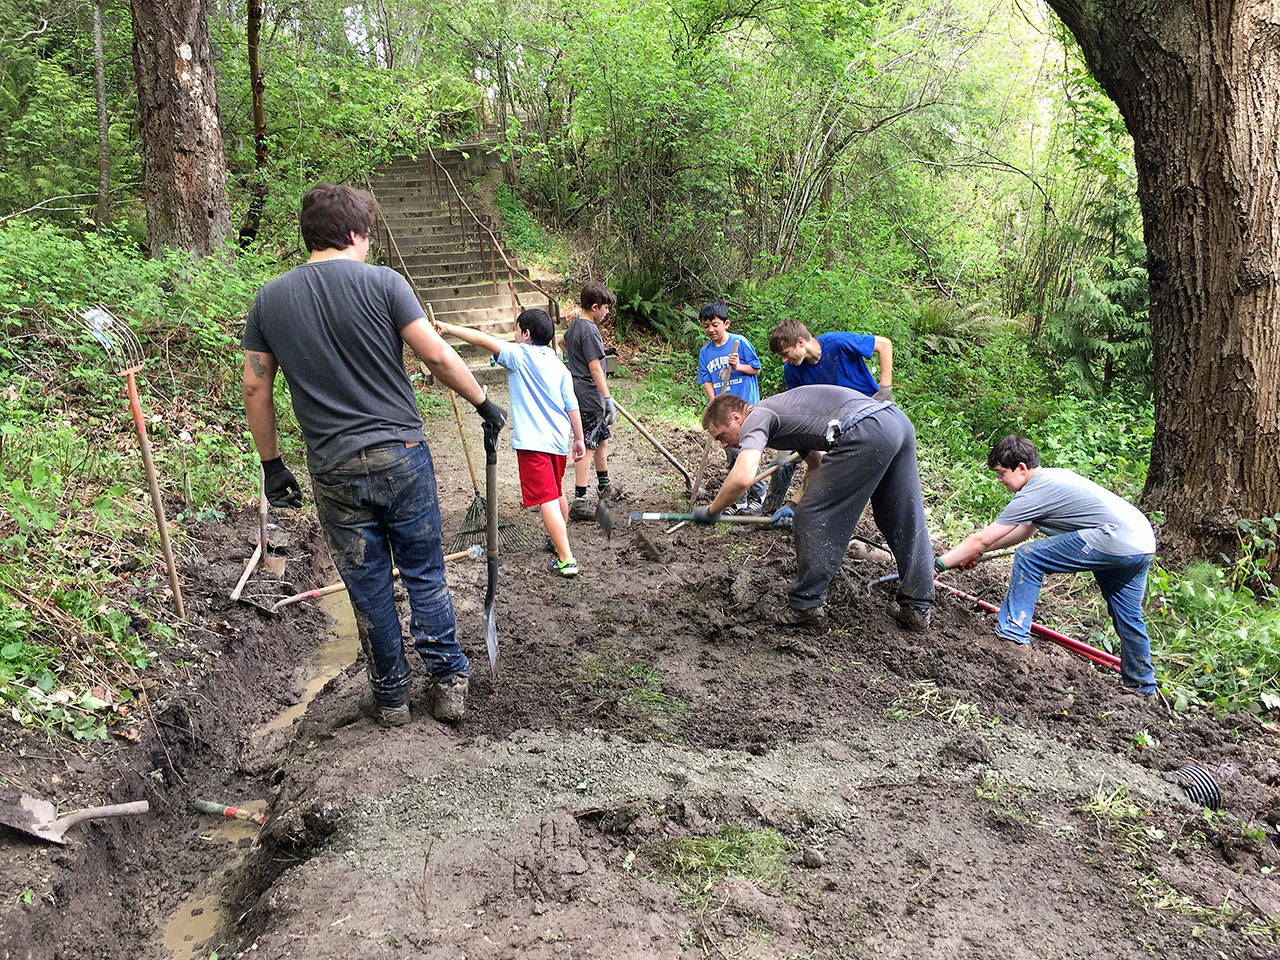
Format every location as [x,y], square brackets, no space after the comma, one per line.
[540,476]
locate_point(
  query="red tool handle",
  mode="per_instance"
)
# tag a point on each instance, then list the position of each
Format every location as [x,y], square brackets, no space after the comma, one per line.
[1100,657]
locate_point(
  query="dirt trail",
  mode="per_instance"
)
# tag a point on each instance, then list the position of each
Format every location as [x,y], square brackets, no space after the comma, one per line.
[936,796]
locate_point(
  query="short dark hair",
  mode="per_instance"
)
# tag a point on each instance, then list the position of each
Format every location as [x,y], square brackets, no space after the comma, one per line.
[718,410]
[713,309]
[1011,451]
[331,211]
[537,323]
[595,293]
[786,334]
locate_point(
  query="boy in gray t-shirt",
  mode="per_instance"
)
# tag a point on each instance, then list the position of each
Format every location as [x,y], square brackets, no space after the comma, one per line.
[584,348]
[1090,529]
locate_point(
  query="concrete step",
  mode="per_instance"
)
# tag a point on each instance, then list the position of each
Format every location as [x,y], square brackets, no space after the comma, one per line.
[482,288]
[435,260]
[475,318]
[445,304]
[486,375]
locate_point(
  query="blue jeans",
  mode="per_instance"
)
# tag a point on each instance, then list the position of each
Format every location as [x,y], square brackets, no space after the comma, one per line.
[379,504]
[1122,580]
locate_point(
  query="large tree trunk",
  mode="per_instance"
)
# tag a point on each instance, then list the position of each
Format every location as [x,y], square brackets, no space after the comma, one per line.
[184,169]
[102,212]
[1200,93]
[253,218]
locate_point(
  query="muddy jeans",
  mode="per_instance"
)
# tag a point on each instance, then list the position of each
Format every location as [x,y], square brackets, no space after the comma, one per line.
[875,459]
[754,492]
[377,507]
[1122,580]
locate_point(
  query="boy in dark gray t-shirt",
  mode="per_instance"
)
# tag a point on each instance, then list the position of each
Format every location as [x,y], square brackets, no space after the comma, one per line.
[585,349]
[1090,528]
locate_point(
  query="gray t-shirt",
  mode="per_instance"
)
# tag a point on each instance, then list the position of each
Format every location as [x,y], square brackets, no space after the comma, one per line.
[583,343]
[334,328]
[804,418]
[1062,501]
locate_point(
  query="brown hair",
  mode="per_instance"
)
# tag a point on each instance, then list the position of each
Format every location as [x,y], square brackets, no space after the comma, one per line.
[1011,451]
[331,211]
[594,294]
[786,334]
[719,409]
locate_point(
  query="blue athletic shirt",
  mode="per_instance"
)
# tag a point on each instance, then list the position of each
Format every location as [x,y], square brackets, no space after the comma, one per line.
[711,363]
[541,398]
[842,363]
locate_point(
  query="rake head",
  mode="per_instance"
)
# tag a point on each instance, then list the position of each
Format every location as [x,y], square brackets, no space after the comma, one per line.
[512,537]
[117,340]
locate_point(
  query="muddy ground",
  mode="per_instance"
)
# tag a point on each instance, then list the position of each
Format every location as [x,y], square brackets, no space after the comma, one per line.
[657,772]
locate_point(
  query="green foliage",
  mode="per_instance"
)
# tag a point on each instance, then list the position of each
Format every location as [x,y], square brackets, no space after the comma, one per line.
[643,299]
[531,242]
[1213,641]
[941,326]
[696,864]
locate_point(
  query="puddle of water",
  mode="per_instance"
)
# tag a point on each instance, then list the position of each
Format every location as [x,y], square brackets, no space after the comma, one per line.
[332,657]
[194,925]
[234,832]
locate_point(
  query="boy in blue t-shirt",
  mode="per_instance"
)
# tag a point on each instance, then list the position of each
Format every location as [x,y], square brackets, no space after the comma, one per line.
[837,358]
[729,352]
[544,411]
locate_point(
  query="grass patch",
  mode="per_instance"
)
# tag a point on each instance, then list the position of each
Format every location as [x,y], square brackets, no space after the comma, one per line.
[531,242]
[694,865]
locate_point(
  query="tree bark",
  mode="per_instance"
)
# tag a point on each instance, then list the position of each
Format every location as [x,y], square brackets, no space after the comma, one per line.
[1199,91]
[102,212]
[184,168]
[258,87]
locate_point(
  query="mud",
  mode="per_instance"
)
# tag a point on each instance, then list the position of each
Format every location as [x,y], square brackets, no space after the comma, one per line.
[934,796]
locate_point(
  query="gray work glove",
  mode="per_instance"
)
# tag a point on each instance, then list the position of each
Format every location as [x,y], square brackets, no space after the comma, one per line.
[784,517]
[280,484]
[703,515]
[610,411]
[884,393]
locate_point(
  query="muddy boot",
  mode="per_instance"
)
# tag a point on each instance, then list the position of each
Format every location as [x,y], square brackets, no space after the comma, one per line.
[909,618]
[447,697]
[393,716]
[580,509]
[791,617]
[612,492]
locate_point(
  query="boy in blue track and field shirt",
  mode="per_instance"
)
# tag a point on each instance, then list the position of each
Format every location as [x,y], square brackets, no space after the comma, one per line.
[544,411]
[725,350]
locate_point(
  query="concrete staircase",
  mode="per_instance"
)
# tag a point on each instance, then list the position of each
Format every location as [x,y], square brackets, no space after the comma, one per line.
[450,262]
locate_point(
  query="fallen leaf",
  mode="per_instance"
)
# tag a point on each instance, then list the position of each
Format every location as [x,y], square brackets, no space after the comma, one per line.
[126,733]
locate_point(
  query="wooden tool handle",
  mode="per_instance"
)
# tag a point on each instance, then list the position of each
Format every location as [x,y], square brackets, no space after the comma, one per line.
[113,810]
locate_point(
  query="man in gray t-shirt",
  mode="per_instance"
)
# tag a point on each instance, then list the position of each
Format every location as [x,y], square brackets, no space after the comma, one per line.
[1090,529]
[856,449]
[336,326]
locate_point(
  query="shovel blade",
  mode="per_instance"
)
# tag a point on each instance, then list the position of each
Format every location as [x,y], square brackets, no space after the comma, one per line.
[605,519]
[491,638]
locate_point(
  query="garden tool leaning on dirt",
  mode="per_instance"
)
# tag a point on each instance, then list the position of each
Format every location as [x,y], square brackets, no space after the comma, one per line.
[491,536]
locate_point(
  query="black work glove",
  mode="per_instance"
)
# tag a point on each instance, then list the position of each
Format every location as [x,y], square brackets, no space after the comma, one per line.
[703,516]
[280,483]
[494,417]
[610,411]
[884,393]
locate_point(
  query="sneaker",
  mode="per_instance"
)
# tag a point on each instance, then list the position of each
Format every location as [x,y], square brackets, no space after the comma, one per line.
[566,568]
[393,716]
[447,696]
[910,618]
[791,617]
[752,508]
[580,509]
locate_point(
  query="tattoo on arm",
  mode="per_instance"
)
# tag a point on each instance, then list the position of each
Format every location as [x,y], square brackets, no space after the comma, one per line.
[256,365]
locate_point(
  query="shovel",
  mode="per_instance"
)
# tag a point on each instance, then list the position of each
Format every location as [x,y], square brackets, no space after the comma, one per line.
[491,545]
[40,817]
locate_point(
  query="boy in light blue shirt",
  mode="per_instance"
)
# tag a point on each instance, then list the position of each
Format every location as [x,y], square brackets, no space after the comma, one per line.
[726,352]
[544,411]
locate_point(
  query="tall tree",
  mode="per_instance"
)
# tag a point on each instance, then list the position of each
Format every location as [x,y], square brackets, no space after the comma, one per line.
[184,168]
[1198,85]
[253,35]
[102,212]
